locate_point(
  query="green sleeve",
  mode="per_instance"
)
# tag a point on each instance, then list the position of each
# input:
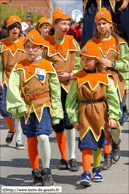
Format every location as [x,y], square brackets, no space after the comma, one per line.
[1,66]
[15,104]
[71,103]
[123,64]
[125,76]
[55,94]
[114,111]
[42,55]
[77,59]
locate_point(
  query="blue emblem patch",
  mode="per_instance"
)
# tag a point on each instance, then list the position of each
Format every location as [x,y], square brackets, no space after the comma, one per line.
[41,77]
[64,13]
[85,49]
[102,14]
[31,37]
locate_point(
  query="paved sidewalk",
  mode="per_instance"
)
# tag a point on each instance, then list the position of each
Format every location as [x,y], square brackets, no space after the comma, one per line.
[15,169]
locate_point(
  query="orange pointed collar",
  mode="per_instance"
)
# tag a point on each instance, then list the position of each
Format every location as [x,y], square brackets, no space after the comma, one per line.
[92,79]
[60,49]
[106,45]
[29,70]
[12,47]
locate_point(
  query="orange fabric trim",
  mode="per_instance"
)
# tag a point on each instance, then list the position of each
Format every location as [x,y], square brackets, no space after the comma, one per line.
[60,14]
[93,81]
[12,47]
[13,19]
[29,70]
[106,45]
[60,49]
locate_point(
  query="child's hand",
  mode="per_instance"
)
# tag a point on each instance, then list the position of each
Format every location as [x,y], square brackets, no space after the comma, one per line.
[1,85]
[76,125]
[106,62]
[25,113]
[112,123]
[54,124]
[126,92]
[124,4]
[63,76]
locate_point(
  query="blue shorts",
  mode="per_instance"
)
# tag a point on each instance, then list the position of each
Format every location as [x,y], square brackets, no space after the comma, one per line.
[89,141]
[34,128]
[65,122]
[3,111]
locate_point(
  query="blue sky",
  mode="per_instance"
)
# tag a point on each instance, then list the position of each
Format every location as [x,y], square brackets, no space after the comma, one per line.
[69,5]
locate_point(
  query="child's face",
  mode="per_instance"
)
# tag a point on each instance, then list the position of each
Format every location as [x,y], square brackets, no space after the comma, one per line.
[62,26]
[44,30]
[103,26]
[32,50]
[88,63]
[14,33]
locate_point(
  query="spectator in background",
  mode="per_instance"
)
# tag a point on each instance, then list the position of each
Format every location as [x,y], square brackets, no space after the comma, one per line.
[78,31]
[72,28]
[3,32]
[24,29]
[30,25]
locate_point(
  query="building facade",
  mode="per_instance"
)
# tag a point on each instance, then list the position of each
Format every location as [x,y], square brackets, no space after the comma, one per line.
[41,7]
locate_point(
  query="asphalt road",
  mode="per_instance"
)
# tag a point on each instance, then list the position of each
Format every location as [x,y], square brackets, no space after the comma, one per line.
[15,169]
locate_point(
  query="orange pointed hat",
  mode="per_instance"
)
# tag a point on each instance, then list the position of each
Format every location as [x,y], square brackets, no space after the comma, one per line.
[34,37]
[43,20]
[103,13]
[13,19]
[60,14]
[90,50]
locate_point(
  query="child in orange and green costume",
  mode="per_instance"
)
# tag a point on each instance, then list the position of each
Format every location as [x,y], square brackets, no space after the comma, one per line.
[43,27]
[11,51]
[90,109]
[63,51]
[35,82]
[114,53]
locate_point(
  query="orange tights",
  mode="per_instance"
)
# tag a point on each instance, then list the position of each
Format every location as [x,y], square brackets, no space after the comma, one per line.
[86,159]
[61,140]
[9,122]
[107,148]
[33,151]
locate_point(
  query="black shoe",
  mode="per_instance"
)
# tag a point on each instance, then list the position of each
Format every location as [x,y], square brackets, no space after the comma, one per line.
[107,161]
[47,177]
[9,137]
[19,145]
[63,164]
[37,178]
[73,165]
[116,150]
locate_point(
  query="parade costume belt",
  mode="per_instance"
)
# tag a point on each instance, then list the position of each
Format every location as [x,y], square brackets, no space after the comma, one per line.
[92,101]
[7,69]
[30,97]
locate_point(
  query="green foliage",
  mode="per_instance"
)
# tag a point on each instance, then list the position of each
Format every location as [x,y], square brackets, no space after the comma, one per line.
[6,11]
[35,17]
